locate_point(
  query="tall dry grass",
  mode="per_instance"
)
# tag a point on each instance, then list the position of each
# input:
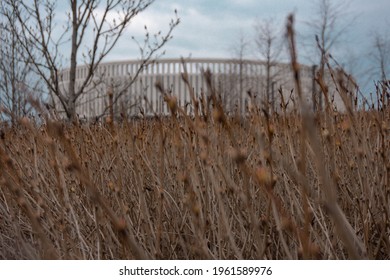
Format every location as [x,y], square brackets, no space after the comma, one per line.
[292,185]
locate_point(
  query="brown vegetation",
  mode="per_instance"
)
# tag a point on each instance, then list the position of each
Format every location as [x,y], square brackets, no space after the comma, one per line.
[295,185]
[209,187]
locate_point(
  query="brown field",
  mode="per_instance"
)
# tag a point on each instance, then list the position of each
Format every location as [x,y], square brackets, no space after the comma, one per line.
[285,186]
[293,184]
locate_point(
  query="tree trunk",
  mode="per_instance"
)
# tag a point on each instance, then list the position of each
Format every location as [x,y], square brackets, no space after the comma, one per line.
[71,98]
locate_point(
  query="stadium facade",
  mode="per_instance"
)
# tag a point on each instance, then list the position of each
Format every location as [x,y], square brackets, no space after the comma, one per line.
[238,83]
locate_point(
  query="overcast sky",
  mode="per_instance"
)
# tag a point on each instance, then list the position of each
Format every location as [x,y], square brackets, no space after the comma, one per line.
[212,28]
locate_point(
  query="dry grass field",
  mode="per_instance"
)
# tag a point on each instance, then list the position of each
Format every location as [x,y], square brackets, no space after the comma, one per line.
[293,185]
[287,185]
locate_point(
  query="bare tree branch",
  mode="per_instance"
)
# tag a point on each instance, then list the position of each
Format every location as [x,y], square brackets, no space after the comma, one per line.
[94,26]
[18,81]
[269,46]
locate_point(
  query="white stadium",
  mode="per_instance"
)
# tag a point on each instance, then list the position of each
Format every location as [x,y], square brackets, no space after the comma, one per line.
[239,83]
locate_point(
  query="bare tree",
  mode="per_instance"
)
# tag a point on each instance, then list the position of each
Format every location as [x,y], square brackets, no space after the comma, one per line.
[269,46]
[238,76]
[18,82]
[381,55]
[92,31]
[329,23]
